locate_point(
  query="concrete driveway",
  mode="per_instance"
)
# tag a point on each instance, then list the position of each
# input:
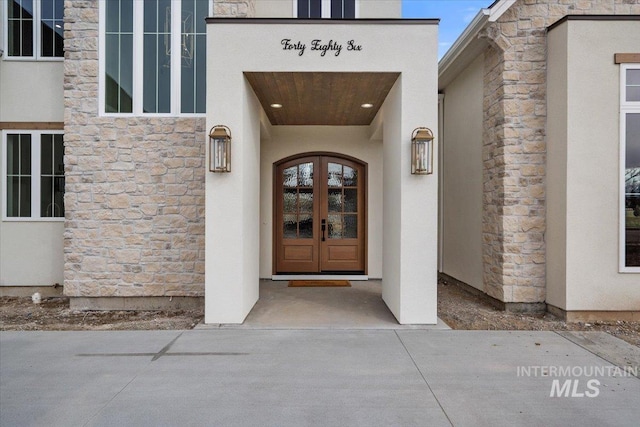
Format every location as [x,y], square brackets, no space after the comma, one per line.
[243,377]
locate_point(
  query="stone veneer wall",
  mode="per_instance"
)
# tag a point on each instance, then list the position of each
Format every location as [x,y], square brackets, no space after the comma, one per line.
[135,187]
[514,151]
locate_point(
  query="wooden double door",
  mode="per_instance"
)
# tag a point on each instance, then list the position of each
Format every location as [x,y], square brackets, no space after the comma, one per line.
[320,215]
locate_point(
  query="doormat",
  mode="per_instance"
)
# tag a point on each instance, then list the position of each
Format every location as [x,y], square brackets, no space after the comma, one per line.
[317,283]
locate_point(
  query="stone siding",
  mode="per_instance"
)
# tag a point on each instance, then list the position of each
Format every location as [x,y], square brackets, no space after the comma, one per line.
[514,151]
[135,187]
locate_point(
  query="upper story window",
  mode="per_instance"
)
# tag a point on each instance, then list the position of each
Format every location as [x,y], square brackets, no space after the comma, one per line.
[153,56]
[35,29]
[33,175]
[335,9]
[630,185]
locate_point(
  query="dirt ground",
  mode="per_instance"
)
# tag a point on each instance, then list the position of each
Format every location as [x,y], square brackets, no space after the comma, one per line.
[458,308]
[462,310]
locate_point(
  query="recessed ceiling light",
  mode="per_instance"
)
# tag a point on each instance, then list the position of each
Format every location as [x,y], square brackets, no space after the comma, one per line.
[276,105]
[367,105]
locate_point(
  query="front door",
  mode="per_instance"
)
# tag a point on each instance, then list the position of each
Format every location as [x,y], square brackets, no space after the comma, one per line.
[320,215]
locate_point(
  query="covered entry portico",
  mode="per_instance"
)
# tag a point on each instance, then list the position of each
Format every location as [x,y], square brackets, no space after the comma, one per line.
[322,72]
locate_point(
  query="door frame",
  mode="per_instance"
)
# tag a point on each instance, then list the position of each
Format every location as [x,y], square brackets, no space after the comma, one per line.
[365,214]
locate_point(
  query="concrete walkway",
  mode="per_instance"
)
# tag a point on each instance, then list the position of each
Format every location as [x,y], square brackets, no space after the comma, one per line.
[244,377]
[359,306]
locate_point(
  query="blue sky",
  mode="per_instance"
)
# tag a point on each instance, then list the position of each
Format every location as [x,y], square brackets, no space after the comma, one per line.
[454,16]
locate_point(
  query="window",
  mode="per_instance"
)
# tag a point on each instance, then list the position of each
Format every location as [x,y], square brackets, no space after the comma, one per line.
[35,29]
[630,154]
[335,9]
[33,175]
[169,75]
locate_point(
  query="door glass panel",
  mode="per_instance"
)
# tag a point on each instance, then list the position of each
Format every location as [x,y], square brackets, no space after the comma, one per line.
[291,176]
[351,200]
[335,200]
[350,177]
[334,175]
[290,199]
[306,201]
[306,175]
[306,226]
[350,227]
[290,227]
[334,225]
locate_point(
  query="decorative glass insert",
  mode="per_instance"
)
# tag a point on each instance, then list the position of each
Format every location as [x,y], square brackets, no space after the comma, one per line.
[342,200]
[51,28]
[632,190]
[18,175]
[119,56]
[51,176]
[193,51]
[20,17]
[334,175]
[291,176]
[157,57]
[298,201]
[633,85]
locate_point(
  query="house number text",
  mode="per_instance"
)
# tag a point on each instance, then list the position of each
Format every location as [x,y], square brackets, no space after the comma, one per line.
[320,46]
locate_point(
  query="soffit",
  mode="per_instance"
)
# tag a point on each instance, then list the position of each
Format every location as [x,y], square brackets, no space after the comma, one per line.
[319,98]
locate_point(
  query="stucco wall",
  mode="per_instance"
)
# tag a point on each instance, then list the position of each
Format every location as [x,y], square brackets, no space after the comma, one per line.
[557,167]
[350,140]
[462,176]
[38,97]
[592,168]
[410,231]
[31,253]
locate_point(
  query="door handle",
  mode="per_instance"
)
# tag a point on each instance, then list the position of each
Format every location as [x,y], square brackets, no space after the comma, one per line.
[323,227]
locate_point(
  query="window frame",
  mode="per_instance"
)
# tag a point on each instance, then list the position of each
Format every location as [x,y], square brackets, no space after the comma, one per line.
[36,34]
[626,107]
[36,174]
[138,63]
[325,10]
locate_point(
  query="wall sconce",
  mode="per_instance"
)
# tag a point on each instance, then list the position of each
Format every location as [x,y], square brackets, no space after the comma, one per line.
[422,151]
[220,149]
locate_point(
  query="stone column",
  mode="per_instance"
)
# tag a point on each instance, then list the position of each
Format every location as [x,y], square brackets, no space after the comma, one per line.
[514,152]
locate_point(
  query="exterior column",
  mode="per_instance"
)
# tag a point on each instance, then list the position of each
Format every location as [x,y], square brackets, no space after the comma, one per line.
[232,216]
[410,230]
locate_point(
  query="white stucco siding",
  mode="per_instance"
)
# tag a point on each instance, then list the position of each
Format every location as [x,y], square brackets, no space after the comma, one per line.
[556,236]
[593,281]
[409,260]
[378,9]
[31,91]
[462,176]
[31,253]
[353,141]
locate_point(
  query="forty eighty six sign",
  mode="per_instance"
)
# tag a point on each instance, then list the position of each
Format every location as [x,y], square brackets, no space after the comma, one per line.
[320,46]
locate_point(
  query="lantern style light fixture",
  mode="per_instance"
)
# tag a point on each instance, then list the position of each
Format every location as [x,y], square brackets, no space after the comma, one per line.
[220,149]
[422,151]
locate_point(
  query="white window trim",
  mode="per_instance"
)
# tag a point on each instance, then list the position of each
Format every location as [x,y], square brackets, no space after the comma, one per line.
[625,107]
[37,44]
[325,11]
[138,62]
[36,137]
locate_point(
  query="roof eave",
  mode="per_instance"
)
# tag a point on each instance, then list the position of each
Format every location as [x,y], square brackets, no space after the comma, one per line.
[470,35]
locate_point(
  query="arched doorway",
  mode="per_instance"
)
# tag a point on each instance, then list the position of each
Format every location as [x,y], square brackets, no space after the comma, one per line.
[320,214]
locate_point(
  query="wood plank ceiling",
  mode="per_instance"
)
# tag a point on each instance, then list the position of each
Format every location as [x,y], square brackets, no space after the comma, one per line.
[318,98]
